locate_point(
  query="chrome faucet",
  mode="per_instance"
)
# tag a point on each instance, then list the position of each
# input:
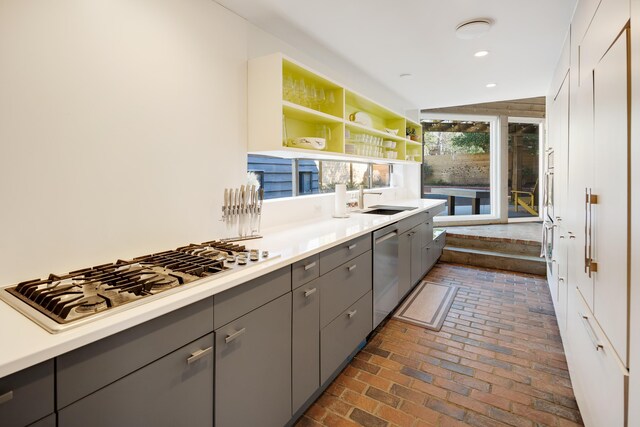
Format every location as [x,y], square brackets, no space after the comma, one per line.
[361,194]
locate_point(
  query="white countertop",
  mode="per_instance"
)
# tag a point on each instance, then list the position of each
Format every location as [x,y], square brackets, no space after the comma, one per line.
[24,344]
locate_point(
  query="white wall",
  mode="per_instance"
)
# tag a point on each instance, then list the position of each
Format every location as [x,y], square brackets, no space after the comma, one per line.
[120,124]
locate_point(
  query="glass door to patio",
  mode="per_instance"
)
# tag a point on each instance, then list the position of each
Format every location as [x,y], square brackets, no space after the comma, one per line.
[457,164]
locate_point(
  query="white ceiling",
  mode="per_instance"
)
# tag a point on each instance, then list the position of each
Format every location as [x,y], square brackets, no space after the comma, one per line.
[386,38]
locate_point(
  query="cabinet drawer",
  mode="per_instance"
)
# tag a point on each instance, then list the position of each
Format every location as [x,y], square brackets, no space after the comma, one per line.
[253,368]
[172,391]
[440,238]
[342,336]
[238,301]
[305,271]
[27,396]
[85,370]
[343,286]
[425,231]
[305,367]
[412,221]
[596,373]
[332,258]
[430,255]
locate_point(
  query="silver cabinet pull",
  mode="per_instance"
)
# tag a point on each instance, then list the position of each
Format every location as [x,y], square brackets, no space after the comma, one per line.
[592,334]
[6,397]
[352,313]
[309,266]
[234,335]
[352,247]
[310,292]
[352,267]
[197,355]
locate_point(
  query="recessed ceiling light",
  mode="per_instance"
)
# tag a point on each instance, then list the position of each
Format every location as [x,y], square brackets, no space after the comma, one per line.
[473,28]
[406,76]
[491,85]
[481,53]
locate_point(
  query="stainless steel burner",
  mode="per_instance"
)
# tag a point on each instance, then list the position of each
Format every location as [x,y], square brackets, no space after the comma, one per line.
[63,301]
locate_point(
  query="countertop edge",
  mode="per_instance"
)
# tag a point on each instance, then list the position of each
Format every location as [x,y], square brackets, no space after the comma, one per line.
[53,345]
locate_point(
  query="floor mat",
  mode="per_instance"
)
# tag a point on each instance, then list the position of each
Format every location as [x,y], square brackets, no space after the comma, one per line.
[427,305]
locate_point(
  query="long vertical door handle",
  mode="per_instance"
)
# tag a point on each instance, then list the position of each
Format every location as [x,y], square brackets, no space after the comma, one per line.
[586,226]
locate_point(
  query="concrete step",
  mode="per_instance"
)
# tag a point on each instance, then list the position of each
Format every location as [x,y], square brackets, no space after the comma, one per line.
[493,259]
[528,248]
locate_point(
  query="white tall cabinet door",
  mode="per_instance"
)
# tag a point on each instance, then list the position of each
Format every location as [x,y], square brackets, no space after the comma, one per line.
[561,169]
[580,178]
[609,222]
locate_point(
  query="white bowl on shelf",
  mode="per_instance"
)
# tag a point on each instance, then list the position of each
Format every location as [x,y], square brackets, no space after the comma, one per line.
[392,131]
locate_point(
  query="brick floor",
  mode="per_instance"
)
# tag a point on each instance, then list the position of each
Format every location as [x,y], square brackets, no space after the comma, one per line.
[497,361]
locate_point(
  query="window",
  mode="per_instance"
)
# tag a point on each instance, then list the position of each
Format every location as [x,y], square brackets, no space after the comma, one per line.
[297,177]
[524,170]
[456,165]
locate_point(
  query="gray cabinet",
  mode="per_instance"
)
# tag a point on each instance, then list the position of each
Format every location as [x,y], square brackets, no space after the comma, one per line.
[48,421]
[175,390]
[342,336]
[26,396]
[412,249]
[404,263]
[305,270]
[305,368]
[332,258]
[253,367]
[89,368]
[416,254]
[343,286]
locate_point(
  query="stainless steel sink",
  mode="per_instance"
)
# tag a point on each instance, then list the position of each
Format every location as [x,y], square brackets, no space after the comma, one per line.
[387,209]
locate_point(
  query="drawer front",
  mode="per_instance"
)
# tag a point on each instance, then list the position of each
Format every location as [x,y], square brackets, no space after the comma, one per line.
[336,256]
[425,231]
[413,221]
[176,390]
[306,343]
[440,240]
[253,368]
[305,271]
[343,286]
[238,301]
[27,395]
[430,255]
[342,336]
[85,370]
[597,374]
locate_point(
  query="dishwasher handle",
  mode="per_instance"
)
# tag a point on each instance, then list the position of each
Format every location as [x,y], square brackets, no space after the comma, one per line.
[386,237]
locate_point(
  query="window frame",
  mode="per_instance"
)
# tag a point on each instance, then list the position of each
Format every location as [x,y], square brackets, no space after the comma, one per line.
[496,156]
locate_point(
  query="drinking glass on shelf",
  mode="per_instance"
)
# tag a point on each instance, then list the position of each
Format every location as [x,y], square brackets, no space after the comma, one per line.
[300,90]
[288,87]
[310,98]
[321,98]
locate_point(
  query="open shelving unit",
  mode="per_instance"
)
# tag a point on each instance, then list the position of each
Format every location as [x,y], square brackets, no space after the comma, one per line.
[288,100]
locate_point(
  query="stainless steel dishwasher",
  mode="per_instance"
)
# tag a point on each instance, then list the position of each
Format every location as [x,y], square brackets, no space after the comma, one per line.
[385,272]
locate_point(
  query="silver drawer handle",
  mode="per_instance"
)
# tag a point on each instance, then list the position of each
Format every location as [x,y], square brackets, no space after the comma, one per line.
[591,332]
[352,267]
[386,237]
[6,397]
[310,292]
[352,313]
[352,247]
[309,266]
[234,335]
[196,355]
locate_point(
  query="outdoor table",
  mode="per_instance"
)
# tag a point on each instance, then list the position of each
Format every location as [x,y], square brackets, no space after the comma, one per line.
[474,195]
